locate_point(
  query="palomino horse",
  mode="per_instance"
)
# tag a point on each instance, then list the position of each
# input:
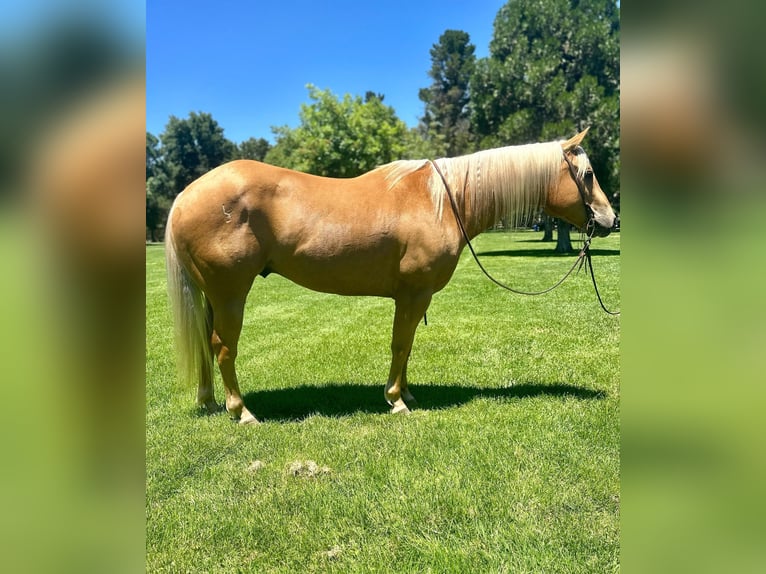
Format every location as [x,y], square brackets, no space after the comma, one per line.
[387,233]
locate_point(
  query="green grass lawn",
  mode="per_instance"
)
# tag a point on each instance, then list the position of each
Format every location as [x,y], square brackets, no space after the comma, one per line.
[511,463]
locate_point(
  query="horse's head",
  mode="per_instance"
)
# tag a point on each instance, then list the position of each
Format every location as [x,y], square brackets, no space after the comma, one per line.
[577,197]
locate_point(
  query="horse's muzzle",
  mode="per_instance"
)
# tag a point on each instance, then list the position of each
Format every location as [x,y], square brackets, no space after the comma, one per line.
[601,231]
[599,228]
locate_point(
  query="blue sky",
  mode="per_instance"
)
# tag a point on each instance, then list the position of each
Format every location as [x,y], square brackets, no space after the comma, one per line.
[248,63]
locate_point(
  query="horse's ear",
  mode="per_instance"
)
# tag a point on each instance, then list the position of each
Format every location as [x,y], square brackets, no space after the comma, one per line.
[573,142]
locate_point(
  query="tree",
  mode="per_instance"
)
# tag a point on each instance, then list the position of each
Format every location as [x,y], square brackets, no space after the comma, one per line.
[158,187]
[419,147]
[157,209]
[186,150]
[340,137]
[192,147]
[153,155]
[253,148]
[446,100]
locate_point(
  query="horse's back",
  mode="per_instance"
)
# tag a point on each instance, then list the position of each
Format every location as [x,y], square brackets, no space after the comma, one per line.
[229,182]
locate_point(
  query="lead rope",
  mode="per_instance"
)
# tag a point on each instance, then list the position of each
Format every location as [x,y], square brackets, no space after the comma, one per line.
[589,263]
[582,258]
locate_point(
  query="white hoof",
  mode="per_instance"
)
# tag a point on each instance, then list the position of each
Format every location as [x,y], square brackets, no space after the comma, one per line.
[247,418]
[399,407]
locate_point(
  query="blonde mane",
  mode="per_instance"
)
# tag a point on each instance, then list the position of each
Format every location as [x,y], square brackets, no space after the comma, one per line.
[509,182]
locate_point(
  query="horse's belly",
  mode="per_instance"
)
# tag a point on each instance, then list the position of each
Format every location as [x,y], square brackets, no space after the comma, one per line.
[370,256]
[343,268]
[332,276]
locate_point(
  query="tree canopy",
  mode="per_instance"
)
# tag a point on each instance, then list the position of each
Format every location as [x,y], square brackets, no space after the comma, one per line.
[553,70]
[340,137]
[447,115]
[253,148]
[186,149]
[192,147]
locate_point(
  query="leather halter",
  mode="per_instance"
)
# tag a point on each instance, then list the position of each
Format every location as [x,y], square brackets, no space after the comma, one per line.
[590,225]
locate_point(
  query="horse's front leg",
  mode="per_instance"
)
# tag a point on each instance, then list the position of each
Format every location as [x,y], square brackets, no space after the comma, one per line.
[409,312]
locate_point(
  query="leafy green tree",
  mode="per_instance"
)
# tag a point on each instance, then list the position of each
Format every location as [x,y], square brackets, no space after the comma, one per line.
[158,188]
[340,137]
[157,209]
[153,155]
[553,69]
[447,116]
[253,148]
[419,147]
[186,149]
[192,147]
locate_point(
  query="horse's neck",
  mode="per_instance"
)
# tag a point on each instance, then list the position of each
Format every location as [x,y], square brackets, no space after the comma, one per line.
[506,182]
[477,219]
[473,181]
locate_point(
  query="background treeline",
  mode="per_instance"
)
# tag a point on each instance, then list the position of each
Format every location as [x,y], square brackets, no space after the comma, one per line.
[553,69]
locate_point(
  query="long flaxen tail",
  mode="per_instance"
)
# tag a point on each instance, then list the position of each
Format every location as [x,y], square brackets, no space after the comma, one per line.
[191,317]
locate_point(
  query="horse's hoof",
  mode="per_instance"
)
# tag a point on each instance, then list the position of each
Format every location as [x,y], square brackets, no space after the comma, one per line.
[248,419]
[399,407]
[208,406]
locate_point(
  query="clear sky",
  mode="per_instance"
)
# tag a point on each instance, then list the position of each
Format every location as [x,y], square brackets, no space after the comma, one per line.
[248,62]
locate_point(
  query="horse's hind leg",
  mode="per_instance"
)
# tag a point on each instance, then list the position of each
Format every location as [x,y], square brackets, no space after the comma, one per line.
[205,394]
[227,326]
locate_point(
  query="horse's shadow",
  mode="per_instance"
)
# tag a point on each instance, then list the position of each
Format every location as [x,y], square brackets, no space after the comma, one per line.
[345,399]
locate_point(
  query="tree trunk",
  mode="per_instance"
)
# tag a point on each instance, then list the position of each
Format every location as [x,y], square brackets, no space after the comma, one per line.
[548,228]
[563,243]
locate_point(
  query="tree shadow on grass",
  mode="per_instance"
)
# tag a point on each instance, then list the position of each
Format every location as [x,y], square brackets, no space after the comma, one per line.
[338,400]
